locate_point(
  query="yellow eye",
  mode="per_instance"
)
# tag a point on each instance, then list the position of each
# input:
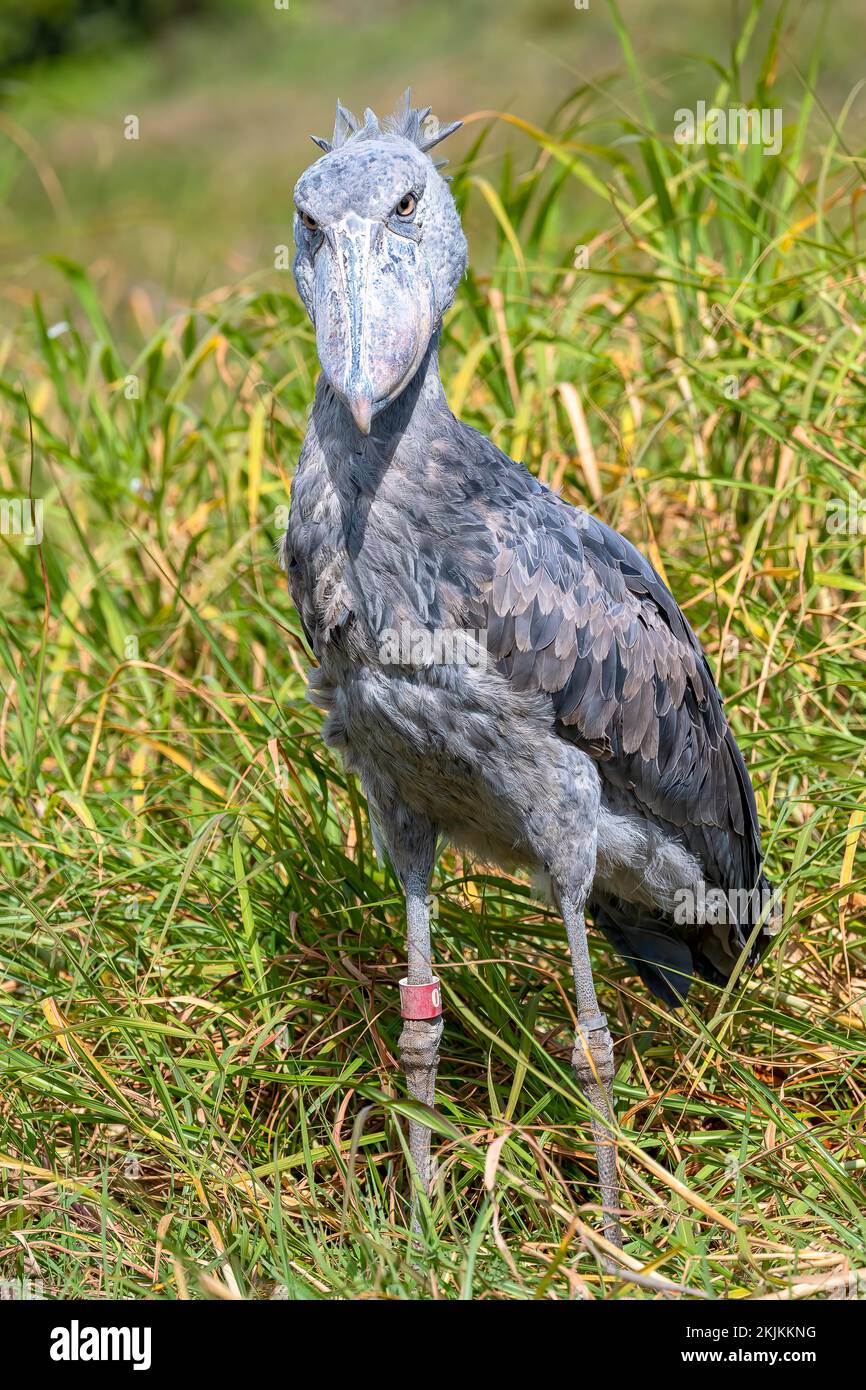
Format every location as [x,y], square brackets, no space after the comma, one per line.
[406,206]
[310,224]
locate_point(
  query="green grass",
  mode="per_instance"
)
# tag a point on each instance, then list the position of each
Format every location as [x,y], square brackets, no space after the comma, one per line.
[199,948]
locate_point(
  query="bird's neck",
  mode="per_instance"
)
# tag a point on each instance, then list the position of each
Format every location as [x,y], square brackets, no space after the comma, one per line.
[399,433]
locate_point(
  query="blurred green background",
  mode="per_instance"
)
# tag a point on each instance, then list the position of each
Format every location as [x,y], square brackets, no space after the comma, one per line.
[227,94]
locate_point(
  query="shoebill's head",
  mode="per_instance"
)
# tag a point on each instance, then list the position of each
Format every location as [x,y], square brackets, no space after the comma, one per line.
[380,252]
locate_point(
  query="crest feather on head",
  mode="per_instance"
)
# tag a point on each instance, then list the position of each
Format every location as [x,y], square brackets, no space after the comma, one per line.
[408,122]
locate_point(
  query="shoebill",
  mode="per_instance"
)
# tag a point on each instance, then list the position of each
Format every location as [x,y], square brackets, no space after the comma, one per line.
[501,670]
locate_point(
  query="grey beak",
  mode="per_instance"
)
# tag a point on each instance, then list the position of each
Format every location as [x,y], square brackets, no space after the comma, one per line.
[374,313]
[344,344]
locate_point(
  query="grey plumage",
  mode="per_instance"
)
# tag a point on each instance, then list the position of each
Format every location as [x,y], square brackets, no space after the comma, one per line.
[586,738]
[569,608]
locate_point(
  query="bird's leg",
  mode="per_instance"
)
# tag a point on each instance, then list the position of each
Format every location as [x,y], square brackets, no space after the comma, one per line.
[411,841]
[421,1007]
[593,1065]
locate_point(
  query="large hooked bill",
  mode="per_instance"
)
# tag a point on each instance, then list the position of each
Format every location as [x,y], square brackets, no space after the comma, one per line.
[374,313]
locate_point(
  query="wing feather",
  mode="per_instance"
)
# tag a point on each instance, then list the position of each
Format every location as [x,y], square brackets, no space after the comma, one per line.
[576,611]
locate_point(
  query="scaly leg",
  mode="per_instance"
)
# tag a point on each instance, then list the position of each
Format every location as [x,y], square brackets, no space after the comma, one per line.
[593,1065]
[411,842]
[421,1007]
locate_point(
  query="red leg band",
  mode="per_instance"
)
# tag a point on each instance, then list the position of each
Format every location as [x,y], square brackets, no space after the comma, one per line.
[420,1001]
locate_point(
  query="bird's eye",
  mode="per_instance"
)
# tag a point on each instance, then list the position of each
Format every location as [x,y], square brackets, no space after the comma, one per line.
[309,222]
[406,206]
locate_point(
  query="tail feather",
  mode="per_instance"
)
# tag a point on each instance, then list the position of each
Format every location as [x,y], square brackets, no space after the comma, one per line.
[668,956]
[664,962]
